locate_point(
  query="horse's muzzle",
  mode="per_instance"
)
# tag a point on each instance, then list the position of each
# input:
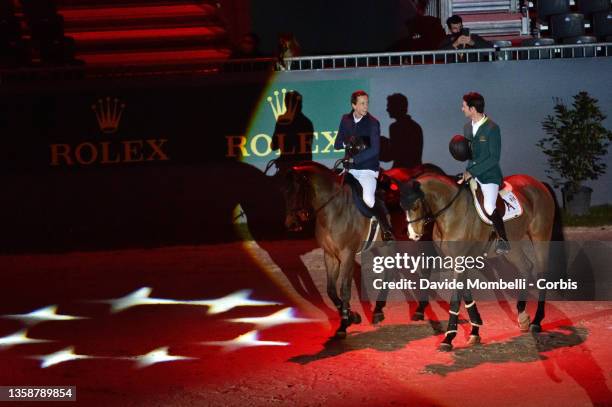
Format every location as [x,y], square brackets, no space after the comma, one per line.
[296,219]
[294,227]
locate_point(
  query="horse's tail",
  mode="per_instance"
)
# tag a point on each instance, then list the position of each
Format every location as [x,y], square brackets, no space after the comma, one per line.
[557,263]
[557,231]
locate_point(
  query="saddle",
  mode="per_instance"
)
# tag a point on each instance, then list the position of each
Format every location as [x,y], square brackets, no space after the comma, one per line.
[507,204]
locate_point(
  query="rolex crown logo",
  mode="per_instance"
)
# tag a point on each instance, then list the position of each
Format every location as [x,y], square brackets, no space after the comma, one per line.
[280,108]
[108,112]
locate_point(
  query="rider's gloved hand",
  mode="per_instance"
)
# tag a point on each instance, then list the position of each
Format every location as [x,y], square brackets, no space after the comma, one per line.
[347,163]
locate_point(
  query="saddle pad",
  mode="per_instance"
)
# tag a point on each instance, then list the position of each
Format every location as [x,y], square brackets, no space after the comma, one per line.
[513,206]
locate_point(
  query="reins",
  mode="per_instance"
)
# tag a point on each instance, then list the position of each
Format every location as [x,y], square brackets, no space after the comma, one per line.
[430,217]
[336,165]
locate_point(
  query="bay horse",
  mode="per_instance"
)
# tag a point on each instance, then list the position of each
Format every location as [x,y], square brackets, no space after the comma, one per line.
[315,192]
[449,206]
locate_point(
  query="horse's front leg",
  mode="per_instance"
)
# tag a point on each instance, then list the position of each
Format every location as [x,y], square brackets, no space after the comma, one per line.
[381,301]
[347,317]
[332,268]
[424,273]
[422,296]
[453,319]
[475,320]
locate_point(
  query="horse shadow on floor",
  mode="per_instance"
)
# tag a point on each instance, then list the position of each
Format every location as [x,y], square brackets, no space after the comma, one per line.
[387,338]
[582,367]
[524,348]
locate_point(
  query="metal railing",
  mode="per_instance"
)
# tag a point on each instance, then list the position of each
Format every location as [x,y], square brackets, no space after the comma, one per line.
[378,60]
[309,63]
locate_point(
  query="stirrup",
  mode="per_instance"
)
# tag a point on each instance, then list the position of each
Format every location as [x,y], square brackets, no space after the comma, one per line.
[502,246]
[387,236]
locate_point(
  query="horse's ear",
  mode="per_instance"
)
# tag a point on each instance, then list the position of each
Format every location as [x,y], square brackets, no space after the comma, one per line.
[410,187]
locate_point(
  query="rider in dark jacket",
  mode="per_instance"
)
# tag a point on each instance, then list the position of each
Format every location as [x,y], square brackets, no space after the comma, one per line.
[362,128]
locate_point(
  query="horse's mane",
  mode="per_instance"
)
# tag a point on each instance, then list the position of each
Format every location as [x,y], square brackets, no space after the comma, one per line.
[406,174]
[432,182]
[445,179]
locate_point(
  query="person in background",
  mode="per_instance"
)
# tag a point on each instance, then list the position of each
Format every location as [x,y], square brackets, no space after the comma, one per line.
[247,47]
[288,47]
[460,37]
[424,32]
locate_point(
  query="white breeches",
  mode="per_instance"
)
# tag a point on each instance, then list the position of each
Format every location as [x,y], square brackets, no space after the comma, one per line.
[489,194]
[367,179]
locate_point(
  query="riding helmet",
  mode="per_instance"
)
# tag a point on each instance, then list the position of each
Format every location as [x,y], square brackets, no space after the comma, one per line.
[460,148]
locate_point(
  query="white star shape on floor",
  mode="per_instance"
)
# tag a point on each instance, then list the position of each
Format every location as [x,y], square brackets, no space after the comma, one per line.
[67,354]
[64,355]
[284,316]
[138,297]
[155,356]
[247,340]
[42,315]
[18,338]
[237,299]
[215,306]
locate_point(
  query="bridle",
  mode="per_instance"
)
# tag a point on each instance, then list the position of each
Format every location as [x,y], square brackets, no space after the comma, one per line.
[430,217]
[303,198]
[354,146]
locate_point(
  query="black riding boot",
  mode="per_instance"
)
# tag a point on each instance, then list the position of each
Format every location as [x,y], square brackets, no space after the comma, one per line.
[380,211]
[502,246]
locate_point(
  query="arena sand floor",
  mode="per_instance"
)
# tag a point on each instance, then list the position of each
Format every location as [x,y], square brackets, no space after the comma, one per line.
[196,338]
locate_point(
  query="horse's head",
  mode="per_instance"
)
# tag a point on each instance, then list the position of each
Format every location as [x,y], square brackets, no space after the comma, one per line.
[412,201]
[298,199]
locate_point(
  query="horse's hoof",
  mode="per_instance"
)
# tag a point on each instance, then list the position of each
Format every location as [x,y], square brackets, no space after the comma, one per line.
[377,318]
[523,321]
[418,316]
[474,340]
[355,318]
[533,328]
[445,347]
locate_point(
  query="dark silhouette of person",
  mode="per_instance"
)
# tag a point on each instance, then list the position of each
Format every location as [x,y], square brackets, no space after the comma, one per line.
[247,47]
[424,32]
[405,144]
[293,134]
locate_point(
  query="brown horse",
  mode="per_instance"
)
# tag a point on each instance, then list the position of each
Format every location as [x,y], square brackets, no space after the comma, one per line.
[450,207]
[314,191]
